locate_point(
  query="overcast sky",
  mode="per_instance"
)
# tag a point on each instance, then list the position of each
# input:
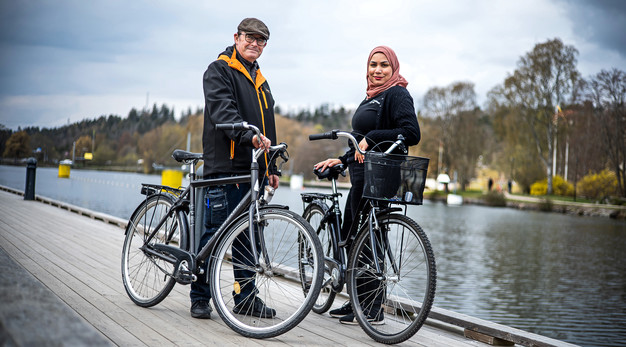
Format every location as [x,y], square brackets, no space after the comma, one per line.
[66,60]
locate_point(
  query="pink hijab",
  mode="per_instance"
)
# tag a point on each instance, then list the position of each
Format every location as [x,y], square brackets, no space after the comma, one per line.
[395,80]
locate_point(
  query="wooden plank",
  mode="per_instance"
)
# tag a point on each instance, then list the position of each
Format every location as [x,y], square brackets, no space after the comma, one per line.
[493,329]
[494,341]
[44,255]
[105,325]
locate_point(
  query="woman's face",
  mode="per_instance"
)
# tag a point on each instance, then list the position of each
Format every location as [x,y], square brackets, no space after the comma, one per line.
[379,70]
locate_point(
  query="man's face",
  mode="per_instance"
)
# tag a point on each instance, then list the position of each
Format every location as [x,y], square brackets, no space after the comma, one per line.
[250,51]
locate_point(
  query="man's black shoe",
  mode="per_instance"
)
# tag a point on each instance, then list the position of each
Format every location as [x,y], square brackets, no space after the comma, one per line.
[254,307]
[201,309]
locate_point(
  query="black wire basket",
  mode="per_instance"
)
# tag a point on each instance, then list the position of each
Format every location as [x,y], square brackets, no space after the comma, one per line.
[395,178]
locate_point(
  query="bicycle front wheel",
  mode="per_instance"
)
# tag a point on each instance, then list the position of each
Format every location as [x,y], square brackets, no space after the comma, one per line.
[392,304]
[314,213]
[148,279]
[267,300]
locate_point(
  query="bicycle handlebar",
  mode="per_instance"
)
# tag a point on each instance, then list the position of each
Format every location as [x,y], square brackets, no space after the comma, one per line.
[280,148]
[237,126]
[334,134]
[331,135]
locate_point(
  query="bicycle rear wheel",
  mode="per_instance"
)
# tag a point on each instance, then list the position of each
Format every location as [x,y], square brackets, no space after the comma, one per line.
[314,213]
[275,282]
[392,305]
[148,279]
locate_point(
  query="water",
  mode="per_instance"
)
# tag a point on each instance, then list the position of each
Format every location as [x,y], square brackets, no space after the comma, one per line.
[556,275]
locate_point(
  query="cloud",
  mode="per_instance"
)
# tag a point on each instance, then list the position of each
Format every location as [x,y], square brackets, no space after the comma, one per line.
[71,59]
[602,22]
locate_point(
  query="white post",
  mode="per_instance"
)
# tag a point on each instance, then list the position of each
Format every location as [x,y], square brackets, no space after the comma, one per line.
[566,158]
[554,158]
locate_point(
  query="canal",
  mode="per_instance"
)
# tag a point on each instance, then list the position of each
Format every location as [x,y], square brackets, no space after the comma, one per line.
[557,275]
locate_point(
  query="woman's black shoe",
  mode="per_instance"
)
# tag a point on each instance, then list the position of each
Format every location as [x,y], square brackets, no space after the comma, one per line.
[344,310]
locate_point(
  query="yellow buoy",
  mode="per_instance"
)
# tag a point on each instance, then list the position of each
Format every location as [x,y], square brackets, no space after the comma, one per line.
[172,178]
[64,171]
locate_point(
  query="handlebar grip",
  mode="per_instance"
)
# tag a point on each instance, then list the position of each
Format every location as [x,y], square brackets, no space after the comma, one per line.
[233,126]
[330,135]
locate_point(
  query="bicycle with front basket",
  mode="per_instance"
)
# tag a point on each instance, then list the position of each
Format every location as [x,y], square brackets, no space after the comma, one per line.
[160,249]
[390,267]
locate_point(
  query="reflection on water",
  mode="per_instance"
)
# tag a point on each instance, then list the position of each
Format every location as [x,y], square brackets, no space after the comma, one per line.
[556,275]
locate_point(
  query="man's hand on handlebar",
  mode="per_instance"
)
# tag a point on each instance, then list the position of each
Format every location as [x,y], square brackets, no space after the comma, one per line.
[273,181]
[265,142]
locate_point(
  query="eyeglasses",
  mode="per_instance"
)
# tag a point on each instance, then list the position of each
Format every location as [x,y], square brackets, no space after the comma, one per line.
[259,41]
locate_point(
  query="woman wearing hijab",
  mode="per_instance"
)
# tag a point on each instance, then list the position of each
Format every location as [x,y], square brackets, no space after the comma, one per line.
[386,112]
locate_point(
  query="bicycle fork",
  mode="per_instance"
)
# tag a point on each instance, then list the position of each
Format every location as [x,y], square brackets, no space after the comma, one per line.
[385,249]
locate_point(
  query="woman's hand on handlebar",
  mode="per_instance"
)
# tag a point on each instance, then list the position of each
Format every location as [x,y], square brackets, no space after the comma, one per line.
[363,147]
[322,165]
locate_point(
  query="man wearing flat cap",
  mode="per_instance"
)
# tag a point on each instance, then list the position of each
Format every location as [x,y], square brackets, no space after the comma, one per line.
[235,91]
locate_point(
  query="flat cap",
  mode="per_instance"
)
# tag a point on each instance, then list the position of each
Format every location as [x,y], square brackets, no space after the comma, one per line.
[254,26]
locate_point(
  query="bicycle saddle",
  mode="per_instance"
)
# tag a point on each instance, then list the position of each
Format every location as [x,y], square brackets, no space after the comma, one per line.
[331,173]
[183,156]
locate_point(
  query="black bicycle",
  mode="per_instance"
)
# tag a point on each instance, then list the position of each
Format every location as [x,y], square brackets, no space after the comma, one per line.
[390,269]
[160,249]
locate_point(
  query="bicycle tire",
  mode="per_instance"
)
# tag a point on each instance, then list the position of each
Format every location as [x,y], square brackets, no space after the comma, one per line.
[277,287]
[147,279]
[405,296]
[313,214]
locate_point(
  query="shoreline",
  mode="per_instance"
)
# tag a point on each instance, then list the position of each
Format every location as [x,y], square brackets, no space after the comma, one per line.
[528,203]
[520,202]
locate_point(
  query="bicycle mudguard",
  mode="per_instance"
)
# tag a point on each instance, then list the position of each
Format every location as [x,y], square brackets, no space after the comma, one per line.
[281,207]
[388,210]
[220,234]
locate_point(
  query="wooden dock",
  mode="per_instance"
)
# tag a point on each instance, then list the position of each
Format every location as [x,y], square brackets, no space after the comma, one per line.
[61,285]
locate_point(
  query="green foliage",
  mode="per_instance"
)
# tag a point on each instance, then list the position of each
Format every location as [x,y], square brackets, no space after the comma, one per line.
[598,186]
[545,77]
[17,146]
[561,187]
[462,128]
[495,198]
[104,155]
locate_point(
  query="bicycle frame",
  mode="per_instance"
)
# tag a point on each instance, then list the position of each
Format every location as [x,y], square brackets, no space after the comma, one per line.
[339,246]
[188,196]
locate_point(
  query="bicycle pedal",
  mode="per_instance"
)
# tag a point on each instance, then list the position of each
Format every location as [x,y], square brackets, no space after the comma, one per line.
[186,277]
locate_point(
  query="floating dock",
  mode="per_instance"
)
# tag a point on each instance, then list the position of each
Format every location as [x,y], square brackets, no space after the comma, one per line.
[61,284]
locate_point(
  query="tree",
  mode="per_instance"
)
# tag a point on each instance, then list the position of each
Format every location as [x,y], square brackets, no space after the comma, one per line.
[157,145]
[515,154]
[17,146]
[607,92]
[467,144]
[5,134]
[543,81]
[303,154]
[429,143]
[83,145]
[462,135]
[104,154]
